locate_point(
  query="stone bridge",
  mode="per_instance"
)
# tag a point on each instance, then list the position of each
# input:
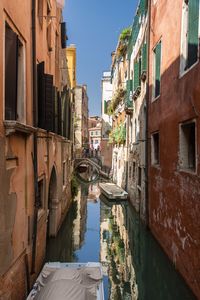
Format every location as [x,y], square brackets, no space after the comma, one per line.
[91,162]
[88,161]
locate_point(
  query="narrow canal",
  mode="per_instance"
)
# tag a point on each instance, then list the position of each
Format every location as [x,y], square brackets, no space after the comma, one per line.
[134,265]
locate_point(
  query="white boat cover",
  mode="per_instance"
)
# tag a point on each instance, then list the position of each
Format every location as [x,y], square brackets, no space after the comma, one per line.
[67,284]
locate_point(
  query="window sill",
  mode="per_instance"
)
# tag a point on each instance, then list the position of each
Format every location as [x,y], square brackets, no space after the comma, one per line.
[188,171]
[155,99]
[157,166]
[14,127]
[189,69]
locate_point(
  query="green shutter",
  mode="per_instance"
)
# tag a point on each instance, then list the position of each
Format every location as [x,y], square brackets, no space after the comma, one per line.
[193,32]
[157,69]
[136,75]
[143,7]
[144,57]
[105,107]
[129,89]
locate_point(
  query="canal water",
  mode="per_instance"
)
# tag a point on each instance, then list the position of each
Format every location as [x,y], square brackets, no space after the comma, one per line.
[134,265]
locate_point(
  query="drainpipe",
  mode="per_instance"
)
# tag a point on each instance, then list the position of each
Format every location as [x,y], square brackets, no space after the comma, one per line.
[35,121]
[147,118]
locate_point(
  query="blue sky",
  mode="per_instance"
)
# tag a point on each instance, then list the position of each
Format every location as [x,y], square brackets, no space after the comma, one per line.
[94,26]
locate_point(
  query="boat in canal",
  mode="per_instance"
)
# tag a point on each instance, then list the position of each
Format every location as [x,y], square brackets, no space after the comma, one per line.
[69,281]
[113,191]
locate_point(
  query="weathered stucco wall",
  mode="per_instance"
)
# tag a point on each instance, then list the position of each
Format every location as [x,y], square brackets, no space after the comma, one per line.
[17,194]
[174,194]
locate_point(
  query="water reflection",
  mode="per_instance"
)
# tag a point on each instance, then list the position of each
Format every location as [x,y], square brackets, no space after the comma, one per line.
[134,265]
[87,173]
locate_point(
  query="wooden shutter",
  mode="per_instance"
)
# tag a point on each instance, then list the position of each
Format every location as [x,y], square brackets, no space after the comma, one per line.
[11,70]
[136,75]
[69,121]
[105,107]
[157,69]
[63,35]
[41,95]
[46,99]
[193,32]
[54,108]
[56,111]
[49,109]
[59,113]
[144,57]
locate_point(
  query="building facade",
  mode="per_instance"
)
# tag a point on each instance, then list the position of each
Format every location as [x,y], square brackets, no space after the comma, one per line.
[106,87]
[117,110]
[174,134]
[35,138]
[95,133]
[136,110]
[71,62]
[80,119]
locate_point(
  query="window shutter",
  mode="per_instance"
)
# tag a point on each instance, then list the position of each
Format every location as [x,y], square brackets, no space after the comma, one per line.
[144,57]
[143,7]
[59,114]
[105,107]
[49,109]
[41,95]
[69,120]
[11,70]
[157,69]
[63,35]
[193,32]
[136,75]
[55,110]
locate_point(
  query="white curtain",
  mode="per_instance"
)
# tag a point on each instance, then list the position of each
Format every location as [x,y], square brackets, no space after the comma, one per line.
[60,3]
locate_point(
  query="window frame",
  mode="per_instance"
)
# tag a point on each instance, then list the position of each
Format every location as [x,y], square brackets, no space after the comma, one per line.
[154,98]
[182,168]
[154,162]
[182,68]
[21,114]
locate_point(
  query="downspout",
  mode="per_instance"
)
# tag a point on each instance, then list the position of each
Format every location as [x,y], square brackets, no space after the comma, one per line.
[147,117]
[35,121]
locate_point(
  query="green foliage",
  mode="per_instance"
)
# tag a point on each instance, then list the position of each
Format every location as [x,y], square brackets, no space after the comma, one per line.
[74,186]
[118,97]
[125,34]
[118,135]
[123,42]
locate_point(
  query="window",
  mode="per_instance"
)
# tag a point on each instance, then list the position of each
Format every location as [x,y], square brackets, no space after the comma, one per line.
[139,176]
[133,170]
[130,170]
[91,133]
[190,34]
[155,147]
[41,194]
[119,164]
[156,70]
[188,146]
[64,173]
[14,76]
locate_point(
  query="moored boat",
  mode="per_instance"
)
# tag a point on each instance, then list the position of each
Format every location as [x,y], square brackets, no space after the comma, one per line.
[69,281]
[113,191]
